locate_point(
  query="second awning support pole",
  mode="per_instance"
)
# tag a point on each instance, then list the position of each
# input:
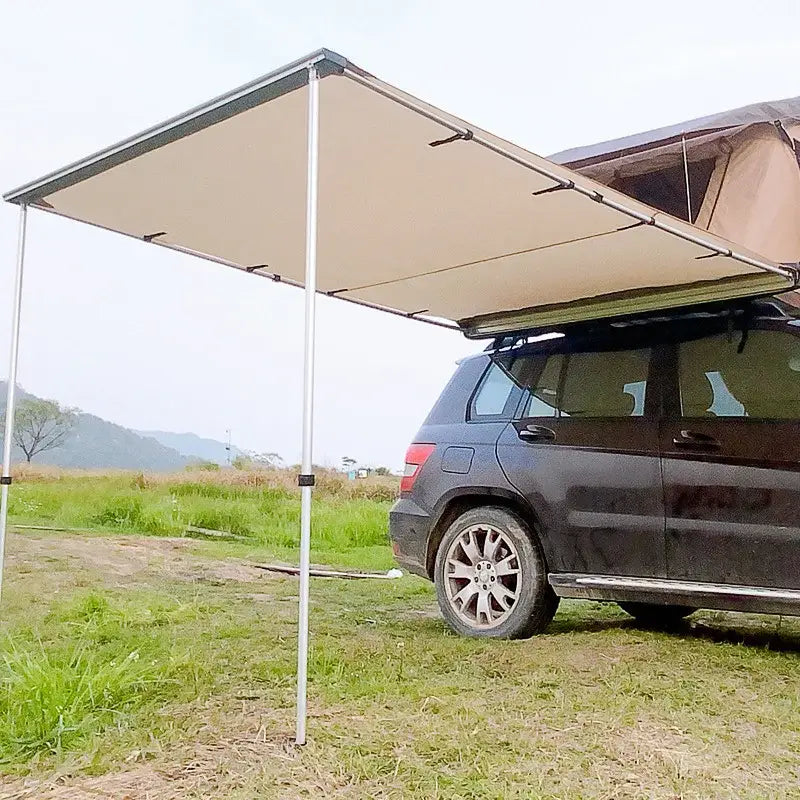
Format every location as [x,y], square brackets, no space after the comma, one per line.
[306,469]
[13,360]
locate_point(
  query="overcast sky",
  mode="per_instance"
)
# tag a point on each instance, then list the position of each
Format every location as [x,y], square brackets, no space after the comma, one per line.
[151,339]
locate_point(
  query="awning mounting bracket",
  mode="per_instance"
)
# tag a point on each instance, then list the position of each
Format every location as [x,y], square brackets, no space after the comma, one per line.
[725,253]
[465,135]
[558,187]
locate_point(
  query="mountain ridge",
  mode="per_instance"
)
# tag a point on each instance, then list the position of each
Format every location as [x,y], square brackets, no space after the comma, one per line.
[96,443]
[193,446]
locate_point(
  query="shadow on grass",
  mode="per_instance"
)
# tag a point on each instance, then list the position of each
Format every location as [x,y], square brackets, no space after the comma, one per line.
[731,629]
[774,637]
[574,623]
[777,640]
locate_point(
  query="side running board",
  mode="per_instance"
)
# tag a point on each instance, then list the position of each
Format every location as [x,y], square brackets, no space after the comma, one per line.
[732,597]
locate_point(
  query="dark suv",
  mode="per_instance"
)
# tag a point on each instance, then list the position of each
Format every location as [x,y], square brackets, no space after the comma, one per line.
[654,462]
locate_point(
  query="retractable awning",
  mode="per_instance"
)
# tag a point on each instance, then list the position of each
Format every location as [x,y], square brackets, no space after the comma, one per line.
[322,176]
[422,214]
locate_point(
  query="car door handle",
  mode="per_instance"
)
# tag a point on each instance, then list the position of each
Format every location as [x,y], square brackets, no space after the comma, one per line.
[536,433]
[697,441]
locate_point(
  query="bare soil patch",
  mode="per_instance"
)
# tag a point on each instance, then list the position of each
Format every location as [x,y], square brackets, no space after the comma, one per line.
[128,559]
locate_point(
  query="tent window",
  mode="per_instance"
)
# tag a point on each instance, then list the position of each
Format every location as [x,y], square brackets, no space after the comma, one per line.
[665,189]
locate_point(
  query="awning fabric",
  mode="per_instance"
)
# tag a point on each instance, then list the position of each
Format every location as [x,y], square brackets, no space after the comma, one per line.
[420,213]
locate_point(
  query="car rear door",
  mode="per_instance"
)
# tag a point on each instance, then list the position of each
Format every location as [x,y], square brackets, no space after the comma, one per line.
[584,452]
[731,456]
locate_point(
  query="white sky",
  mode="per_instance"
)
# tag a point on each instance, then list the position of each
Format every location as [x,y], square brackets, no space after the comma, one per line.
[154,340]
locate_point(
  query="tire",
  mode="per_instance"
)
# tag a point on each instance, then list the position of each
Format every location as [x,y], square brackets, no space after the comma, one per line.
[655,615]
[491,577]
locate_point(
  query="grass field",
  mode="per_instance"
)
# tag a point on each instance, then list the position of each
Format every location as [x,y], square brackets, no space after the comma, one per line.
[153,666]
[261,507]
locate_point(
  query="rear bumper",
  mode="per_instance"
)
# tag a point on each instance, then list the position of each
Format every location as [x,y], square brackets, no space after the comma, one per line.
[409,528]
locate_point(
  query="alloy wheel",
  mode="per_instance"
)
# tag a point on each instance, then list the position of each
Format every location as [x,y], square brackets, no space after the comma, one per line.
[482,576]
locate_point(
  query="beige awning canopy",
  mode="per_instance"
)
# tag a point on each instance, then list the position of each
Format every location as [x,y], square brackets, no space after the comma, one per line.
[420,213]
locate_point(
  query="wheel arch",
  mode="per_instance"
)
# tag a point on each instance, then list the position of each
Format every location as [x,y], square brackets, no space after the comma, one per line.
[459,501]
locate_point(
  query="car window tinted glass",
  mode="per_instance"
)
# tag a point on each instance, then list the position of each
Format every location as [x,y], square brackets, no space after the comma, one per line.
[605,384]
[589,385]
[542,400]
[728,375]
[494,394]
[503,385]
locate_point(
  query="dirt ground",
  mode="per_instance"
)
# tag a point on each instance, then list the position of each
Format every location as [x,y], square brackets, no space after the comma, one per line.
[125,559]
[132,561]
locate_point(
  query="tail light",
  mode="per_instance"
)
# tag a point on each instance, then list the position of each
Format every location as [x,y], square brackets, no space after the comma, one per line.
[416,456]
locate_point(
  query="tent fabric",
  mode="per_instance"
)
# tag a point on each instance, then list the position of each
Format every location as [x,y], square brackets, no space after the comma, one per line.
[662,155]
[421,213]
[754,194]
[785,111]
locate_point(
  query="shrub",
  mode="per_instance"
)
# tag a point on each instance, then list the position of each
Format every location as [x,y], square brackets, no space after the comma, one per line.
[203,466]
[121,511]
[216,518]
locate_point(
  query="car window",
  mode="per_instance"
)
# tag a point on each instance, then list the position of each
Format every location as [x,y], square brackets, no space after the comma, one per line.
[732,375]
[605,384]
[494,392]
[590,385]
[502,385]
[542,399]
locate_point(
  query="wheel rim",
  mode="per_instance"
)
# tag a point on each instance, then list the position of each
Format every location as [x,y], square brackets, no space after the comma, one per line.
[482,576]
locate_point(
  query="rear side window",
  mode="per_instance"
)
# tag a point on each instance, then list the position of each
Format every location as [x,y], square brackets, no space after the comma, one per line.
[591,385]
[609,384]
[542,398]
[494,393]
[727,375]
[583,385]
[503,385]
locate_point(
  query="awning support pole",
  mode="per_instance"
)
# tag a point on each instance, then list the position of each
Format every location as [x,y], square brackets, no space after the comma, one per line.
[686,176]
[12,385]
[306,478]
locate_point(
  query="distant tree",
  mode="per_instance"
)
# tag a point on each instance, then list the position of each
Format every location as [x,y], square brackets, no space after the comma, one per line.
[348,463]
[382,471]
[253,460]
[203,465]
[41,425]
[272,460]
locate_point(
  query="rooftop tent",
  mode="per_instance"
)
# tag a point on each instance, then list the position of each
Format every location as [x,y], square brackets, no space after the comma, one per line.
[742,168]
[322,176]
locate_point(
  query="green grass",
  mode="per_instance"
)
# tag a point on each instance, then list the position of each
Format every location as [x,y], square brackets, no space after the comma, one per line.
[268,516]
[143,666]
[90,665]
[399,707]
